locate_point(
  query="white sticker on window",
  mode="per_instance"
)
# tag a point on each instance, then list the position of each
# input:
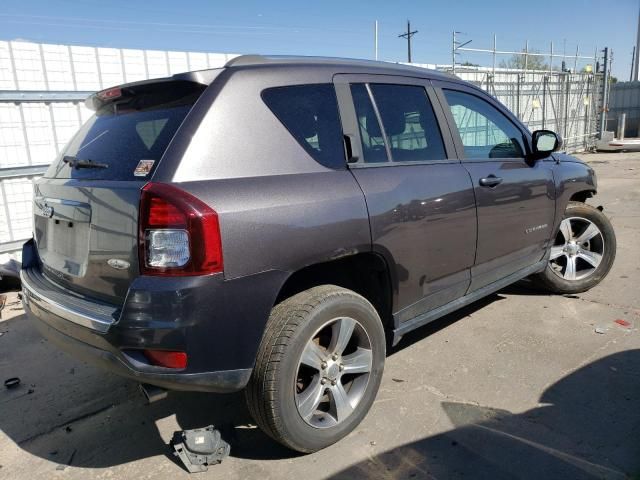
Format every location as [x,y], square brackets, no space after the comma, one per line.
[143,168]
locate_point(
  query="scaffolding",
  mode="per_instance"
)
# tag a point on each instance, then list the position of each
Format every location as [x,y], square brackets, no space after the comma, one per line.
[567,98]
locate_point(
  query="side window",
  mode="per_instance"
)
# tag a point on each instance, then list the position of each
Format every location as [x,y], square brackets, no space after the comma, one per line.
[373,148]
[485,132]
[409,122]
[310,114]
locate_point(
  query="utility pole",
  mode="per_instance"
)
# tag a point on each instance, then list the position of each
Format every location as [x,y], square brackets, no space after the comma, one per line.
[408,36]
[375,38]
[454,50]
[633,63]
[636,64]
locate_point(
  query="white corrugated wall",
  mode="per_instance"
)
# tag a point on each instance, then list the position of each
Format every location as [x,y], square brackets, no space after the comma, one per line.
[32,134]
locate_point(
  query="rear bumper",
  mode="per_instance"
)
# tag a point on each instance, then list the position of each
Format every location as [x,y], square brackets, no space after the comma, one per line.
[224,381]
[207,317]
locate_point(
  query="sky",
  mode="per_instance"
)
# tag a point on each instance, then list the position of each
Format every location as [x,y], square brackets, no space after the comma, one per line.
[331,28]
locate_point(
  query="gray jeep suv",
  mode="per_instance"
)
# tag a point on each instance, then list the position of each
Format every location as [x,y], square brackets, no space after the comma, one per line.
[275,224]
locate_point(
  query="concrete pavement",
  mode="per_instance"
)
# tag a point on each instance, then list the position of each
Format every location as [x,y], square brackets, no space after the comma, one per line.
[518,385]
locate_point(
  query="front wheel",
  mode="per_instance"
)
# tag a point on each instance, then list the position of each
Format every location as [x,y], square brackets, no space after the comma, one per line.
[318,368]
[583,251]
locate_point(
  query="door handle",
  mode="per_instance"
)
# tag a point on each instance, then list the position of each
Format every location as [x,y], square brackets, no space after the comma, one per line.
[490,181]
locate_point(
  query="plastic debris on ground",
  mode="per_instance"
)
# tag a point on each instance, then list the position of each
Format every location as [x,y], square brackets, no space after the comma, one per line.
[623,323]
[199,448]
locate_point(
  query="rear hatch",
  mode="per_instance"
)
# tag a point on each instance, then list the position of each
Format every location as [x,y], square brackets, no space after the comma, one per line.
[86,205]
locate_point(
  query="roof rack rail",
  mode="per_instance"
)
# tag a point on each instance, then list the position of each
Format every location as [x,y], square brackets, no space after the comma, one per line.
[247,60]
[250,59]
[299,60]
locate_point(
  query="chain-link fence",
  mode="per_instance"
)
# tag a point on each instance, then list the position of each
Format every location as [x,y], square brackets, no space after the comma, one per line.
[556,91]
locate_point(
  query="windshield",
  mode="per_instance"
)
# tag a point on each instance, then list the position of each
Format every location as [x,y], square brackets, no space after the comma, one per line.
[125,139]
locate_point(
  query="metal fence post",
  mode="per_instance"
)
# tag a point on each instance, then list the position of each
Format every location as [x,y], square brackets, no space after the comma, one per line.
[495,47]
[588,130]
[605,94]
[453,54]
[519,79]
[567,99]
[622,121]
[122,65]
[545,79]
[146,63]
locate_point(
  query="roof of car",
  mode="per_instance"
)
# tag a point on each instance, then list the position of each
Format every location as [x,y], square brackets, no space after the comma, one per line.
[300,61]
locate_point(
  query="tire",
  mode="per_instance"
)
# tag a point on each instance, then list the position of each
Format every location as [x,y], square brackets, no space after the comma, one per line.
[283,385]
[584,274]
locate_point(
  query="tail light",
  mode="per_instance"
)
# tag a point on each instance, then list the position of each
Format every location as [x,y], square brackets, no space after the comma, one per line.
[178,235]
[167,359]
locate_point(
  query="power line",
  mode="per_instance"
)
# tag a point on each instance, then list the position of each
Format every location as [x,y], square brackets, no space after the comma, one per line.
[103,23]
[408,34]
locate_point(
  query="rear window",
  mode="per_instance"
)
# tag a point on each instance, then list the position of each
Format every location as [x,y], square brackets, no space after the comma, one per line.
[127,137]
[310,114]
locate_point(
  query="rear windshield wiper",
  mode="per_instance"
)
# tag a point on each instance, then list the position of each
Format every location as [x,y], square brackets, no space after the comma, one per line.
[77,163]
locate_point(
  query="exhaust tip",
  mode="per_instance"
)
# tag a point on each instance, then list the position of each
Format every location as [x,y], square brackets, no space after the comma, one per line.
[152,393]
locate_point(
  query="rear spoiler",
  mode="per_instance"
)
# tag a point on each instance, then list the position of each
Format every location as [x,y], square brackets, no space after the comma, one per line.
[103,97]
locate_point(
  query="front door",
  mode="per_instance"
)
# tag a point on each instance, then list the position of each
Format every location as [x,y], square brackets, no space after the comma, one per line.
[514,196]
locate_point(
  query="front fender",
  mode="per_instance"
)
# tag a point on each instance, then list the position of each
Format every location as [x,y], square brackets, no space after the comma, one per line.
[571,176]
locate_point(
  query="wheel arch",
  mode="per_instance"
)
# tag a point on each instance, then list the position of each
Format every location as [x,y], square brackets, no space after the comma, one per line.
[365,273]
[582,195]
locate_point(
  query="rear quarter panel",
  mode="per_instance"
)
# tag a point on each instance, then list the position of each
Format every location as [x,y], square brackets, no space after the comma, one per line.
[286,222]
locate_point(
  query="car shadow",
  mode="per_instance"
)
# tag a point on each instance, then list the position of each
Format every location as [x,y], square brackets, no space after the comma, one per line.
[441,323]
[586,427]
[67,411]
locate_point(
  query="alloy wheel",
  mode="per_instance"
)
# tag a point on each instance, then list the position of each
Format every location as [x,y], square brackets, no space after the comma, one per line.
[578,249]
[333,372]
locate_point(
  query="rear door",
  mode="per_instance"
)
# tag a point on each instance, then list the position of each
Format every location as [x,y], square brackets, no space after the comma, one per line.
[86,205]
[420,199]
[514,196]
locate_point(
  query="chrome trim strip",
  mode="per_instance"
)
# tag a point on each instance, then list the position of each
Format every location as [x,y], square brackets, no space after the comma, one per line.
[30,295]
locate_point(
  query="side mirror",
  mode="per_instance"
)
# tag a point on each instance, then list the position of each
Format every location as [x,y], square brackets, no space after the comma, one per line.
[545,142]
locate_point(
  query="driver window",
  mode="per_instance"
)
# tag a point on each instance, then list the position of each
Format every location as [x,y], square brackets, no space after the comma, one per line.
[485,132]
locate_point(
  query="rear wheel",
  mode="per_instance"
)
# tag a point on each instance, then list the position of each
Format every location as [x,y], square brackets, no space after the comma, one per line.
[583,251]
[318,368]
